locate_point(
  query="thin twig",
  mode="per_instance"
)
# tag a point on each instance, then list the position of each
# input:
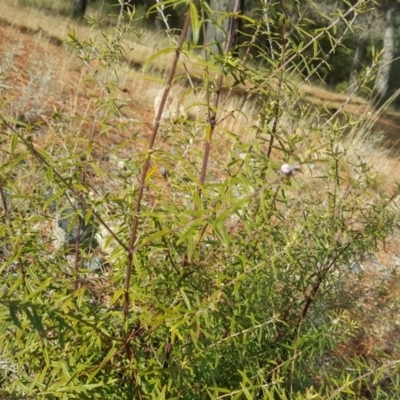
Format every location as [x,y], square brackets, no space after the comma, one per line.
[9,222]
[213,112]
[146,166]
[279,90]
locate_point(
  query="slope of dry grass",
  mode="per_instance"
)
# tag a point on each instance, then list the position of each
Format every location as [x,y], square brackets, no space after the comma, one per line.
[55,28]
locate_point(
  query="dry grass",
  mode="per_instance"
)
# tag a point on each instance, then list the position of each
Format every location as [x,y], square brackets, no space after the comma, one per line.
[56,28]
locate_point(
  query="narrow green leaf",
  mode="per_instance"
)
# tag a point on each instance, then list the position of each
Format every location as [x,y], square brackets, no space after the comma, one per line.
[195,23]
[108,357]
[36,321]
[13,315]
[185,299]
[154,57]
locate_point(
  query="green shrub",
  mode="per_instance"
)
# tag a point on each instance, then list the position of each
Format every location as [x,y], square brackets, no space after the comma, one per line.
[225,273]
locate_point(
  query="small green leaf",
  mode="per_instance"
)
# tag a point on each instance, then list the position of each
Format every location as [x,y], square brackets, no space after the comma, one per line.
[195,22]
[154,57]
[186,300]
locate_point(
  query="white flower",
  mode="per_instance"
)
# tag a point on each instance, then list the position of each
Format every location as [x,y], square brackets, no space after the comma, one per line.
[290,170]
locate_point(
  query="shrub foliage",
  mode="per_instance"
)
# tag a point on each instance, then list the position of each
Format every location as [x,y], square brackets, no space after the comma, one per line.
[217,262]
